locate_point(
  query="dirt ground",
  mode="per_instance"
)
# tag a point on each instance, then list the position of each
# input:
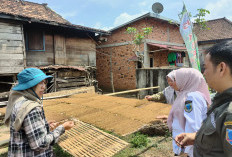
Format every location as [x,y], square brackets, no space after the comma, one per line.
[119,115]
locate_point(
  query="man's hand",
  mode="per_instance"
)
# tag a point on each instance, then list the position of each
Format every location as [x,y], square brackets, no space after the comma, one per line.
[185,139]
[148,97]
[163,118]
[68,125]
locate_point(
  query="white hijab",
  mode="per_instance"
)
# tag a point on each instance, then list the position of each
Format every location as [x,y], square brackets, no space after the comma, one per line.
[169,92]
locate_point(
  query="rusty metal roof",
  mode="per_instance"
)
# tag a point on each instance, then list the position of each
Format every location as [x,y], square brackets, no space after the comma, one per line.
[56,67]
[169,47]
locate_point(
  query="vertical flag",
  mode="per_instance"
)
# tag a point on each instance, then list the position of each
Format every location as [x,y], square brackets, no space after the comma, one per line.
[189,38]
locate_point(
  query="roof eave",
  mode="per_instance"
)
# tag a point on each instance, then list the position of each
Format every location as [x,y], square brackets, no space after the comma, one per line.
[157,16]
[53,23]
[213,41]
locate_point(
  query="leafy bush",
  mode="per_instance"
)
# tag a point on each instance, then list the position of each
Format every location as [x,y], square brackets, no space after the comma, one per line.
[139,140]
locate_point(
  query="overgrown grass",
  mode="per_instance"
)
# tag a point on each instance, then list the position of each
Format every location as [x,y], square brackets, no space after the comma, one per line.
[139,140]
[159,145]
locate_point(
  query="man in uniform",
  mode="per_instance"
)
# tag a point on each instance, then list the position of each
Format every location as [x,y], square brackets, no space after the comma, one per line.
[214,139]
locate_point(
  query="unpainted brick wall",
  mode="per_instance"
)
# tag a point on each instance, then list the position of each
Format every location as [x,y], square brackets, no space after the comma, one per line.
[124,71]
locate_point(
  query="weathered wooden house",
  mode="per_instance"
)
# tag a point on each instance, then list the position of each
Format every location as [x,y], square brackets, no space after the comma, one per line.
[118,64]
[217,30]
[33,35]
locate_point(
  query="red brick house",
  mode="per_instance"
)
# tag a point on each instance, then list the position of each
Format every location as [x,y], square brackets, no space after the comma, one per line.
[219,30]
[116,53]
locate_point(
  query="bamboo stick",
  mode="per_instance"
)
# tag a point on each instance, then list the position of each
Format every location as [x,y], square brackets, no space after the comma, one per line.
[130,91]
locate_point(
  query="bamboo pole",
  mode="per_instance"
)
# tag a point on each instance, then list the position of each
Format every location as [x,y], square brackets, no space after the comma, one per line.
[130,91]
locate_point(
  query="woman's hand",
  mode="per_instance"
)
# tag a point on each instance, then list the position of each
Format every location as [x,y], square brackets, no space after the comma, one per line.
[68,125]
[53,124]
[148,97]
[163,118]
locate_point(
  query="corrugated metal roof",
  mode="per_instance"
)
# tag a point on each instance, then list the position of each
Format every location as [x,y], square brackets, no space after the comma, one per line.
[169,47]
[62,67]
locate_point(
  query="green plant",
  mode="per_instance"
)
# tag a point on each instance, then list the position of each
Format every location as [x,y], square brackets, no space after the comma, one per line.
[200,18]
[137,38]
[139,140]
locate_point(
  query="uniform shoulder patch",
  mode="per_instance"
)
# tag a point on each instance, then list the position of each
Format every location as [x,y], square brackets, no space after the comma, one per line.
[229,136]
[228,123]
[188,106]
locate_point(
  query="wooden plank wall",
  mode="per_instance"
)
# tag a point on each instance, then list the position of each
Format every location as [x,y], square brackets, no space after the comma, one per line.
[60,50]
[68,51]
[80,51]
[40,58]
[11,48]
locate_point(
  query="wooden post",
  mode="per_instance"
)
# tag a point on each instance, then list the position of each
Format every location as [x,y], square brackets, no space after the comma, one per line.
[111,73]
[55,83]
[54,49]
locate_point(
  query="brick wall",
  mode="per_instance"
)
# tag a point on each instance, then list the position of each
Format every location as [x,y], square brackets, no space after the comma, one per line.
[124,71]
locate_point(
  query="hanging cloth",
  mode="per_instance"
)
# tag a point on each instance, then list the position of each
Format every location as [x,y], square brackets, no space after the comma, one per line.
[171,57]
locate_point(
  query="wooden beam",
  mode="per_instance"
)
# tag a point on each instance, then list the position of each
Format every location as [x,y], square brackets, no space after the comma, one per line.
[11,56]
[158,50]
[76,84]
[4,143]
[14,43]
[61,80]
[7,83]
[130,91]
[11,70]
[114,45]
[63,96]
[3,103]
[8,36]
[10,62]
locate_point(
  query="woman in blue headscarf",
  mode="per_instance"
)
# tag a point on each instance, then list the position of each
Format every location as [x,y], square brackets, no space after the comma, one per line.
[30,133]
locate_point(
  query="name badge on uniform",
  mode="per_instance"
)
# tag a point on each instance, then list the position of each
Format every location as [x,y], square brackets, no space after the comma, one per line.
[229,136]
[188,106]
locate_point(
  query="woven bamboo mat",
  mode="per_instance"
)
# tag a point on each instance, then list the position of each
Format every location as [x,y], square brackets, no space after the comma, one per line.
[85,140]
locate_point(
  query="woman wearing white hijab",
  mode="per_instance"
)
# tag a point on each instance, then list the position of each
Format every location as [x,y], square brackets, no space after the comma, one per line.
[190,106]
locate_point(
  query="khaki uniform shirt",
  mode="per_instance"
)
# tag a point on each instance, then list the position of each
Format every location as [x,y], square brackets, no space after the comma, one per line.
[214,139]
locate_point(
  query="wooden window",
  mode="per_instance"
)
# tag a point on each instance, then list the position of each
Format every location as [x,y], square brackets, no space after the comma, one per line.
[35,40]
